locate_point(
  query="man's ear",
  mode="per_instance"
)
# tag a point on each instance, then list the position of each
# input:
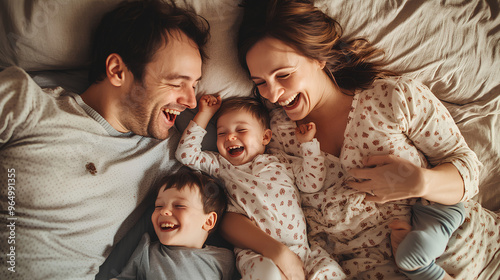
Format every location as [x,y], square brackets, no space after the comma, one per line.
[115,69]
[210,221]
[268,134]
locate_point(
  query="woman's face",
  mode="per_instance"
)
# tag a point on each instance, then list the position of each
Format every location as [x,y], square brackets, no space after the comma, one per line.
[286,77]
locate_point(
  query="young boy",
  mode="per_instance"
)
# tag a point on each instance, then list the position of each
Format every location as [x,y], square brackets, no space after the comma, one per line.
[187,208]
[261,186]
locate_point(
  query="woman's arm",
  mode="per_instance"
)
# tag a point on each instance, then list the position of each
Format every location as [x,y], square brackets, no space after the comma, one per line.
[242,233]
[444,184]
[393,178]
[452,174]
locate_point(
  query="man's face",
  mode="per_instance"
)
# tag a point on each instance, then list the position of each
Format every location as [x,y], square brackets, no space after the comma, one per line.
[168,88]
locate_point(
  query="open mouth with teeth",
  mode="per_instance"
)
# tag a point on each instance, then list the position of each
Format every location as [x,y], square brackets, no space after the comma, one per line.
[171,114]
[235,151]
[168,226]
[290,102]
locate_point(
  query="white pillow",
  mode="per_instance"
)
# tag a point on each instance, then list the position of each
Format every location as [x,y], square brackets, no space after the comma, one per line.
[222,73]
[55,35]
[49,35]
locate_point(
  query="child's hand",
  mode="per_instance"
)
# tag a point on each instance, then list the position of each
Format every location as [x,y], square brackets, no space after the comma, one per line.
[209,104]
[305,132]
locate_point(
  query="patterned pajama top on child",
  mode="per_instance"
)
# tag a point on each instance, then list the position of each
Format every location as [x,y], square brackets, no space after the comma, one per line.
[263,189]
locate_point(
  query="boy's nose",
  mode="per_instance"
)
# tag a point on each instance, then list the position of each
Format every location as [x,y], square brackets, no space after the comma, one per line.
[166,211]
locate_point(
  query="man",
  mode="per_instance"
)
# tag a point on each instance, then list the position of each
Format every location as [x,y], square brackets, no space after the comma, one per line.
[77,166]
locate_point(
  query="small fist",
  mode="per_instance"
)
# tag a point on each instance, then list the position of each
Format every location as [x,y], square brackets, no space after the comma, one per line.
[209,103]
[305,132]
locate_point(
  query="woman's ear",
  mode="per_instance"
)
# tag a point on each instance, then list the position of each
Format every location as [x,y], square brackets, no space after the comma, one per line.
[115,69]
[210,221]
[322,64]
[268,134]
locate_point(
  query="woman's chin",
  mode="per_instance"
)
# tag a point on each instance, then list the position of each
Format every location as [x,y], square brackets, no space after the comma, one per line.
[296,112]
[295,115]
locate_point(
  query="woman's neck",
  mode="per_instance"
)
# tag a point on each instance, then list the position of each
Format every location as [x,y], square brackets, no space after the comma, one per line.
[334,103]
[331,117]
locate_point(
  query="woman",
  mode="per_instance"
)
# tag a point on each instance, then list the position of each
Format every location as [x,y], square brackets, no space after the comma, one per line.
[389,142]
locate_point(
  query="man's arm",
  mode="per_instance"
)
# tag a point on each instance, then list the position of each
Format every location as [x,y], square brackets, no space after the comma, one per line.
[18,95]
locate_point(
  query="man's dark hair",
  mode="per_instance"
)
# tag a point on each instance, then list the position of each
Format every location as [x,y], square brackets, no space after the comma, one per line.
[136,30]
[212,191]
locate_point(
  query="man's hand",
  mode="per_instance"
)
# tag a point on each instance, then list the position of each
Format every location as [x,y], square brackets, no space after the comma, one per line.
[305,132]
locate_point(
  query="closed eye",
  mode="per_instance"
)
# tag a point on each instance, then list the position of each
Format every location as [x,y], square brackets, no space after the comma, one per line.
[284,76]
[259,83]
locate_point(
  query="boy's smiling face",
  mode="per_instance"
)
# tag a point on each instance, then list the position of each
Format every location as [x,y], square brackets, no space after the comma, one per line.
[179,218]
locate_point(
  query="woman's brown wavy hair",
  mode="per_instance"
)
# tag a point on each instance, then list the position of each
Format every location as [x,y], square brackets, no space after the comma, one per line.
[354,63]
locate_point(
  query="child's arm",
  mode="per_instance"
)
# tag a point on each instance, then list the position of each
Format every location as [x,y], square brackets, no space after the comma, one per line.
[305,132]
[310,171]
[208,105]
[243,233]
[189,148]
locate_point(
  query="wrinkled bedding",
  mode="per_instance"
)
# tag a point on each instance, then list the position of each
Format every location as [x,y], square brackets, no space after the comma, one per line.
[452,46]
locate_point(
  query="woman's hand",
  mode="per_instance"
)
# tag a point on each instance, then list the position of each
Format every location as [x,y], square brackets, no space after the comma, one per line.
[388,178]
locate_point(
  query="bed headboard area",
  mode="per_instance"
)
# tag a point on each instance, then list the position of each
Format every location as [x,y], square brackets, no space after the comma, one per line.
[452,46]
